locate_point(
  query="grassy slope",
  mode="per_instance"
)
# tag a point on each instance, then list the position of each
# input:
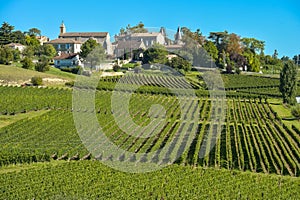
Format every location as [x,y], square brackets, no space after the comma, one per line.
[9,119]
[284,113]
[16,75]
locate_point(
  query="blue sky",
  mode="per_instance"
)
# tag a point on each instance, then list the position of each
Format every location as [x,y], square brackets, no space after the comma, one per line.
[276,22]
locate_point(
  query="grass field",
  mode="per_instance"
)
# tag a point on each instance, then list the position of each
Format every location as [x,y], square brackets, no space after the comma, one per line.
[11,75]
[284,112]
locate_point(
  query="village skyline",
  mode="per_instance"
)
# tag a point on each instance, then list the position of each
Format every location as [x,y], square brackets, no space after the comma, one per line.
[277,23]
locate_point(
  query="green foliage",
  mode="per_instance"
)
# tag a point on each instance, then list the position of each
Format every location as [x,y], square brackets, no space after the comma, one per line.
[36,81]
[129,65]
[288,82]
[16,54]
[34,32]
[6,55]
[42,65]
[73,70]
[139,28]
[27,63]
[28,52]
[157,54]
[194,37]
[116,68]
[253,62]
[211,49]
[47,50]
[256,46]
[32,41]
[295,111]
[5,33]
[180,63]
[243,136]
[95,56]
[87,47]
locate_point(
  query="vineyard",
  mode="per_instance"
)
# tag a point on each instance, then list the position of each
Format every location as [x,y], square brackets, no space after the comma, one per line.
[92,180]
[253,139]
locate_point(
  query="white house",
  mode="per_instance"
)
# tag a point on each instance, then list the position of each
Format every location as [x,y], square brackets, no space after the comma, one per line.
[66,45]
[123,47]
[102,38]
[18,46]
[67,60]
[148,38]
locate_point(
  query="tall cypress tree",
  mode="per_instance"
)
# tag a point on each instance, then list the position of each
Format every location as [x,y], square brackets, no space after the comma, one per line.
[288,82]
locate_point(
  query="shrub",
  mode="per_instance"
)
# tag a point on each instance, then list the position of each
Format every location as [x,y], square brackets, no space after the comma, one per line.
[70,84]
[116,68]
[73,70]
[6,55]
[27,63]
[36,81]
[42,65]
[296,111]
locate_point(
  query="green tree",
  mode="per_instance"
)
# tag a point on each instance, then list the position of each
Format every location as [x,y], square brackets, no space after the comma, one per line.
[296,111]
[252,60]
[87,47]
[180,63]
[18,37]
[96,56]
[32,41]
[288,82]
[139,28]
[34,32]
[219,39]
[47,50]
[28,52]
[211,49]
[256,46]
[155,54]
[196,36]
[6,55]
[27,63]
[296,59]
[42,65]
[16,55]
[5,33]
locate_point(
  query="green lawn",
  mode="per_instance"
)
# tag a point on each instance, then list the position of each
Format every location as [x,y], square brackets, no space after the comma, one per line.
[284,113]
[13,75]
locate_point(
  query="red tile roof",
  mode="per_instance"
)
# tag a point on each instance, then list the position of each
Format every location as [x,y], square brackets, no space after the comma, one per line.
[64,56]
[84,34]
[63,41]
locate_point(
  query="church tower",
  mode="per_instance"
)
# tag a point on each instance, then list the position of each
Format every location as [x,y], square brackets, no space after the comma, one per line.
[178,37]
[62,28]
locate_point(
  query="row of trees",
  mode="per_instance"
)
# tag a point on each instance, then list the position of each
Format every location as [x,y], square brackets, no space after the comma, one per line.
[230,51]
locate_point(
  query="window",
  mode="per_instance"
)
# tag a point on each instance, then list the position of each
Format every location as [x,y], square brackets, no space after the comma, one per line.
[67,46]
[58,46]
